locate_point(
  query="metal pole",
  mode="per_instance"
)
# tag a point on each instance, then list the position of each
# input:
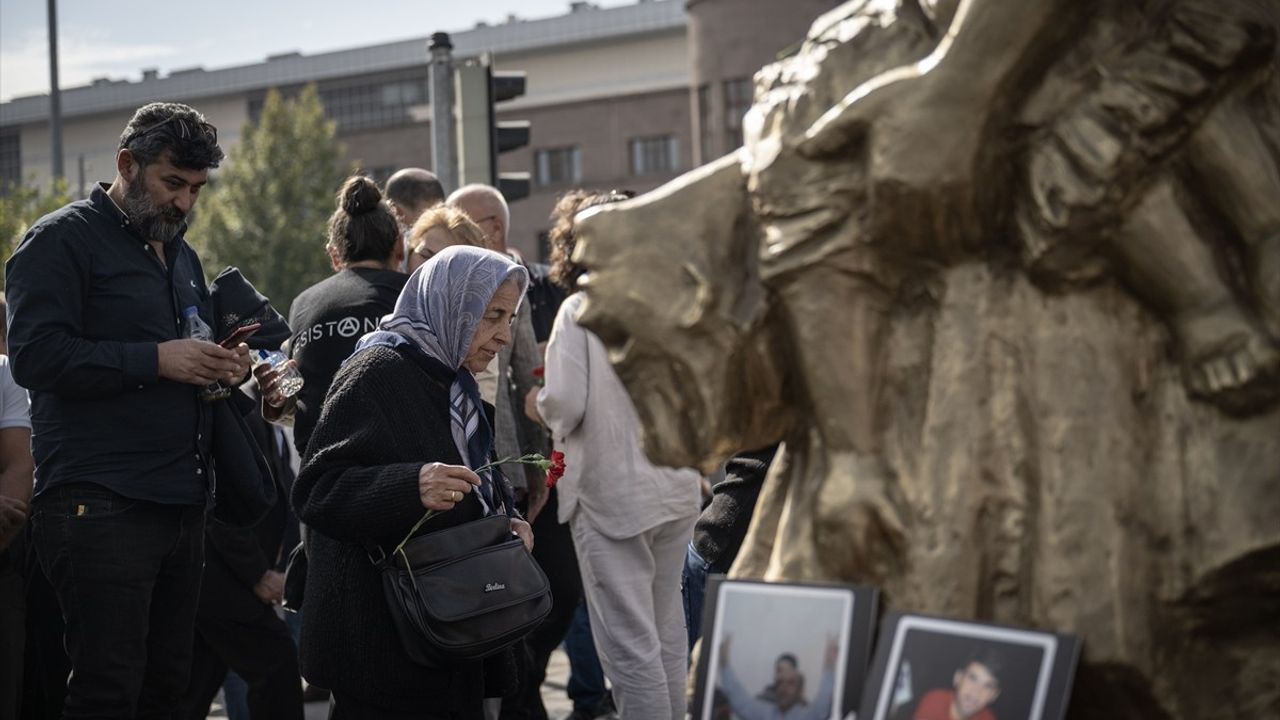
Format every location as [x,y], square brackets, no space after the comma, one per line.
[444,151]
[55,95]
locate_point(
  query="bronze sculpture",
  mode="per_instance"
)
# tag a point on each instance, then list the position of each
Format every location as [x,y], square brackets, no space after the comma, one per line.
[941,213]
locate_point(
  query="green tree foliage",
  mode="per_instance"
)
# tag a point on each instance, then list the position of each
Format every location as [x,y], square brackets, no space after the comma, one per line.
[268,208]
[20,206]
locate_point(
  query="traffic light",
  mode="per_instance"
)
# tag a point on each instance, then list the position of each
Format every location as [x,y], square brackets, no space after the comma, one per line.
[481,137]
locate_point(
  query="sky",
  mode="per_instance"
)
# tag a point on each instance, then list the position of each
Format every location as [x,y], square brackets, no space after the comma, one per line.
[119,39]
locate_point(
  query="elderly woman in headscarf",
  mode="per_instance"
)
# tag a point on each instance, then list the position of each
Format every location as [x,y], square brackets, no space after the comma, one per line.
[401,427]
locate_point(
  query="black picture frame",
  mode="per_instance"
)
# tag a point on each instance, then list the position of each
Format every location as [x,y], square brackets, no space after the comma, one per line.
[767,619]
[921,655]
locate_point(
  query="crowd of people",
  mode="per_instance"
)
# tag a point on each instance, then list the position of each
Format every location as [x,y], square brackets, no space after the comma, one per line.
[432,352]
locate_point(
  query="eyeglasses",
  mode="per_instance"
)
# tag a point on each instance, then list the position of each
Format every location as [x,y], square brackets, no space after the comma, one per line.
[187,129]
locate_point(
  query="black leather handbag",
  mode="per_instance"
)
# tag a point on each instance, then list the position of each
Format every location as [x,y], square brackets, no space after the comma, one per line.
[464,593]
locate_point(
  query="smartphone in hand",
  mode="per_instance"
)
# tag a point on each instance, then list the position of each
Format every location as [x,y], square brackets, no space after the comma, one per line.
[239,335]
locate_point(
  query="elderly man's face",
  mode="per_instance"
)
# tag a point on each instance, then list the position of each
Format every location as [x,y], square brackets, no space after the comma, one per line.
[485,212]
[788,684]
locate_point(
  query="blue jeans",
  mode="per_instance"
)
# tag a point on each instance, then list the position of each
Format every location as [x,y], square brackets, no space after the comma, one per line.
[586,677]
[235,697]
[693,586]
[127,574]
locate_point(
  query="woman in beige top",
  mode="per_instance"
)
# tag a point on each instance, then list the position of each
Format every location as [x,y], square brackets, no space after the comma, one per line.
[631,521]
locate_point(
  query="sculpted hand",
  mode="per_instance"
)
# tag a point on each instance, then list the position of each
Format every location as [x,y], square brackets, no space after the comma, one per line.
[441,487]
[521,528]
[270,588]
[198,362]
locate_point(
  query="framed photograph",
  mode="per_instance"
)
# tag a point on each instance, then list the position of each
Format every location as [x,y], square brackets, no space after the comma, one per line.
[794,650]
[930,668]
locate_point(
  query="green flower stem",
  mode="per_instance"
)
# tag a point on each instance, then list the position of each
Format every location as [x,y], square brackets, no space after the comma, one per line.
[535,459]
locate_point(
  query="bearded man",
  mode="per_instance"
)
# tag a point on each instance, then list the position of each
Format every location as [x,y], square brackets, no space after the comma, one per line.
[121,439]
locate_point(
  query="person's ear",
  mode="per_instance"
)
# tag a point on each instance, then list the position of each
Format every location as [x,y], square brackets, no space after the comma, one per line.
[334,258]
[955,679]
[399,252]
[126,164]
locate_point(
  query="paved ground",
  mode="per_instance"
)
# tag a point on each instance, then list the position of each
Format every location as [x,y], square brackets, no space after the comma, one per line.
[553,695]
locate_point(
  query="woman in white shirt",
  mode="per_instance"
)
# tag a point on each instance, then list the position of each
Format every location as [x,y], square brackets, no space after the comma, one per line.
[630,520]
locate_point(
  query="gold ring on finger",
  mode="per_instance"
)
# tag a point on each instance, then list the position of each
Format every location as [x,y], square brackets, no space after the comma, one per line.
[455,495]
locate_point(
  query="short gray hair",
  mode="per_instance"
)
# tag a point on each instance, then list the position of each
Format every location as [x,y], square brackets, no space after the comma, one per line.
[489,193]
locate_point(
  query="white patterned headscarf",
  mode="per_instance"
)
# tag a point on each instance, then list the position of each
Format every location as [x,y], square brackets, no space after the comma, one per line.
[438,312]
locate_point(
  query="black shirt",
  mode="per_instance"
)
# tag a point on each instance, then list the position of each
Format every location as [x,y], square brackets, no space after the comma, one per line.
[544,297]
[89,301]
[328,319]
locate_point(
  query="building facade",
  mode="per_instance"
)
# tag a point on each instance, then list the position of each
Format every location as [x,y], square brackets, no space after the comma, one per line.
[624,97]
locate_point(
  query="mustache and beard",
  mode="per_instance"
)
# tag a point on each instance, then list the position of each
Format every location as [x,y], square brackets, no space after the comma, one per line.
[154,223]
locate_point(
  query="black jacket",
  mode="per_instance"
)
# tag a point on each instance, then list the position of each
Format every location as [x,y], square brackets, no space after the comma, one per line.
[236,558]
[386,414]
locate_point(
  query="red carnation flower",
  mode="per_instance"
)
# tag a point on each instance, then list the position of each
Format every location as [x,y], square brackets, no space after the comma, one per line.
[556,471]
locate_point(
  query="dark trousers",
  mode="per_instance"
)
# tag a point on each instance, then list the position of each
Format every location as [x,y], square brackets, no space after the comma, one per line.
[127,576]
[13,612]
[553,550]
[261,651]
[46,668]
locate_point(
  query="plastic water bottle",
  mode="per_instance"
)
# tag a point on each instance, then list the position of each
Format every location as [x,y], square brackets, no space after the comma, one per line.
[194,327]
[290,380]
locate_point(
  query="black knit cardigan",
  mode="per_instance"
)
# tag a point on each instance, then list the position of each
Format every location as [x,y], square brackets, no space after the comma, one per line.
[385,415]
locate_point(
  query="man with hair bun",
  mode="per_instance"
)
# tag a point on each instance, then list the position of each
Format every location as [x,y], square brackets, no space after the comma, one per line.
[122,442]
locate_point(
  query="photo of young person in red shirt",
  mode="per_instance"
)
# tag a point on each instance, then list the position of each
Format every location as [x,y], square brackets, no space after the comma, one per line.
[976,684]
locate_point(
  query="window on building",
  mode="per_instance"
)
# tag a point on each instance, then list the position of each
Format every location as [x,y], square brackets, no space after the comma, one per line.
[10,159]
[737,101]
[365,106]
[704,124]
[658,154]
[558,166]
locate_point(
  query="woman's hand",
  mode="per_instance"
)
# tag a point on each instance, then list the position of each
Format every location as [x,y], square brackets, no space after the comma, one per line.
[441,487]
[522,528]
[531,405]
